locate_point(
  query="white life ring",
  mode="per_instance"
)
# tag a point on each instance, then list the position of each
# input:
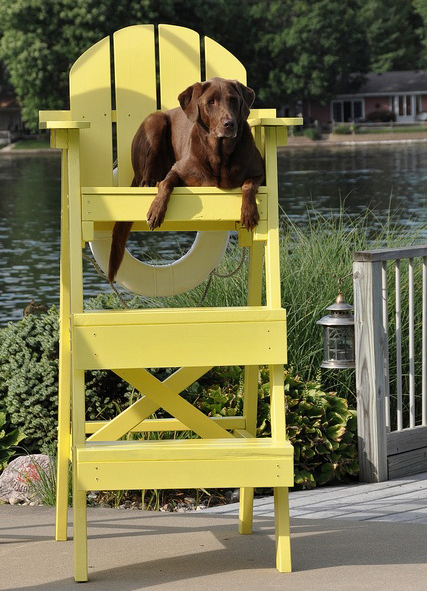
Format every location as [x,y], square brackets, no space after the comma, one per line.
[169,279]
[163,280]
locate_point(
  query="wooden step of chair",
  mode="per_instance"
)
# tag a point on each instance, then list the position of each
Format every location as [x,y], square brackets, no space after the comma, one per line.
[207,463]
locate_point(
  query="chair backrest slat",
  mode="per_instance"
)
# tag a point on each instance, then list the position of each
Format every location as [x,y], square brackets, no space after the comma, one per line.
[220,62]
[90,100]
[136,88]
[179,57]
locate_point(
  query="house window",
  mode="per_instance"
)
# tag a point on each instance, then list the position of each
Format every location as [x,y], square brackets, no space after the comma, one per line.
[406,105]
[344,111]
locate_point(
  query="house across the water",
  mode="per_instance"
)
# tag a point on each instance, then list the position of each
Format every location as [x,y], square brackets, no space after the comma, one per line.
[396,96]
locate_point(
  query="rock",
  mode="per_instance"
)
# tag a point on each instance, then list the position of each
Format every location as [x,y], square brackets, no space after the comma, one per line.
[235,496]
[17,478]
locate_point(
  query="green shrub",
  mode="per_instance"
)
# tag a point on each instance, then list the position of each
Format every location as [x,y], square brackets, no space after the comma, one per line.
[381,116]
[320,426]
[313,133]
[29,381]
[9,437]
[323,431]
[343,130]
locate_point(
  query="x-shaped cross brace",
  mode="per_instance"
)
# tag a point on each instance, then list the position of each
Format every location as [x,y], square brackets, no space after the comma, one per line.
[165,395]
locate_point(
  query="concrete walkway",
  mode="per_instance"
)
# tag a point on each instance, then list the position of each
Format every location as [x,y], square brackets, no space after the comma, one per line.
[361,547]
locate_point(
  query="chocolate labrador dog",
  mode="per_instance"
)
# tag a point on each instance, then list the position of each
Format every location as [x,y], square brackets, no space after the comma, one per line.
[206,142]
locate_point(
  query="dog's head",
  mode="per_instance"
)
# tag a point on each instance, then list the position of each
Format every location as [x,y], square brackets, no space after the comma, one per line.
[219,105]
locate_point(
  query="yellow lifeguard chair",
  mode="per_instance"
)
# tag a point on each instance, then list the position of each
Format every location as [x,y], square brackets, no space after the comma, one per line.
[149,63]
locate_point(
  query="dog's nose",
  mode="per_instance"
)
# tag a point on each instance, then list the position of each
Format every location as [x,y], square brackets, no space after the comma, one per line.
[229,124]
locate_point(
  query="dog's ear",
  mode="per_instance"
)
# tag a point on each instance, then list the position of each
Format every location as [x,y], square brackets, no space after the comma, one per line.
[248,96]
[188,99]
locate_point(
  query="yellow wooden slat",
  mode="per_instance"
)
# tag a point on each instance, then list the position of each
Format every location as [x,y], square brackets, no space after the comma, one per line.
[184,206]
[60,124]
[183,449]
[136,93]
[179,316]
[184,226]
[171,345]
[179,56]
[259,113]
[54,116]
[163,425]
[90,100]
[275,121]
[220,62]
[258,472]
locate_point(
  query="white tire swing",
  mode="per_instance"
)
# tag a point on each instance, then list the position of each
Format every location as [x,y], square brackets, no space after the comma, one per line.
[169,279]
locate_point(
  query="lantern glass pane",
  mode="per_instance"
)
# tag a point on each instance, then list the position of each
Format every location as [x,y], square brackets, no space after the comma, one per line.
[340,343]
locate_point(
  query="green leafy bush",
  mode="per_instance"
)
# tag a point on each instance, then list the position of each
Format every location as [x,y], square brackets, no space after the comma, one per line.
[29,381]
[313,133]
[320,426]
[380,116]
[343,130]
[323,431]
[8,439]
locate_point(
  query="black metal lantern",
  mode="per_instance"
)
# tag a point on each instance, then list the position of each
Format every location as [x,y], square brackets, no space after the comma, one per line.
[338,335]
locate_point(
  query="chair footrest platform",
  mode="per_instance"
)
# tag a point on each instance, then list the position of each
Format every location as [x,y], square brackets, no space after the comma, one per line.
[194,463]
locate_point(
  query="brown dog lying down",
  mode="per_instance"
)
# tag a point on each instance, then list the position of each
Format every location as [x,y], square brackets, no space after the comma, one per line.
[206,142]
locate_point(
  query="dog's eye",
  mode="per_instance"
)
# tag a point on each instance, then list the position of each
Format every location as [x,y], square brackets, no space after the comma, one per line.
[233,99]
[211,101]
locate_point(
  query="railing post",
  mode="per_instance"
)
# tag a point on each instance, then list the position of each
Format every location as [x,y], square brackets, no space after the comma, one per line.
[371,353]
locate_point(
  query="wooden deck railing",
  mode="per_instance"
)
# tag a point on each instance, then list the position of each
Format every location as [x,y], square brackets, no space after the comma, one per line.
[390,303]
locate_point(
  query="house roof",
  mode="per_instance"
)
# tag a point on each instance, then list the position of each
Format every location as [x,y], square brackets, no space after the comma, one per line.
[408,81]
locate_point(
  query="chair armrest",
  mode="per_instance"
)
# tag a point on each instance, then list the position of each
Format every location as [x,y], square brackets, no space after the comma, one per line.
[281,125]
[275,121]
[64,124]
[60,120]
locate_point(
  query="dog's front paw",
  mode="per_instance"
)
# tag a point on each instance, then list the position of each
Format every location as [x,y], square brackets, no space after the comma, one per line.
[249,216]
[156,214]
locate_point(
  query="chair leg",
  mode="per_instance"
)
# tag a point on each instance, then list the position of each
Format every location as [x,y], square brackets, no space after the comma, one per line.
[61,496]
[80,535]
[283,531]
[246,510]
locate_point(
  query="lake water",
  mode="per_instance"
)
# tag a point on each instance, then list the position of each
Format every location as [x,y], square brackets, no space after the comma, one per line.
[382,177]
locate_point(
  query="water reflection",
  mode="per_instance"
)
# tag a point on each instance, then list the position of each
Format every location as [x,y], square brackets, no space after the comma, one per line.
[384,178]
[387,178]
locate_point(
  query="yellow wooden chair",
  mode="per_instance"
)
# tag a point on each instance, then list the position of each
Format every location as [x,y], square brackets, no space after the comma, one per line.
[228,454]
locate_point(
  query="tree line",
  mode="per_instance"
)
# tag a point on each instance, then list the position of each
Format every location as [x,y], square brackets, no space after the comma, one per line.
[292,49]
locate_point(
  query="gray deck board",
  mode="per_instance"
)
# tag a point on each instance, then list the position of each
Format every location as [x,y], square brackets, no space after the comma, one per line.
[400,500]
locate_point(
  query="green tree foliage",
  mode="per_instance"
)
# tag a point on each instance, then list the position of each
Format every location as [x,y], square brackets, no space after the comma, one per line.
[292,49]
[308,49]
[421,8]
[394,34]
[41,39]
